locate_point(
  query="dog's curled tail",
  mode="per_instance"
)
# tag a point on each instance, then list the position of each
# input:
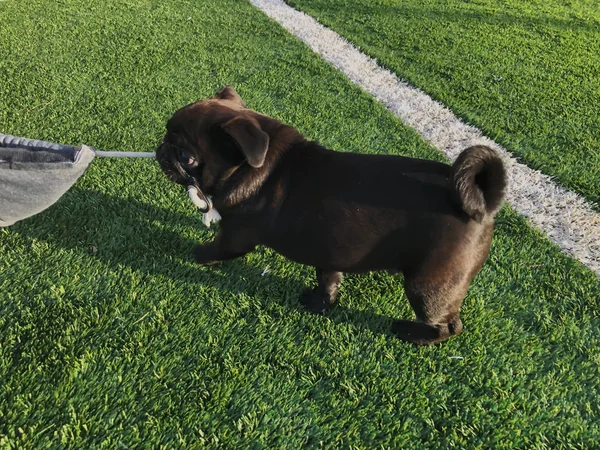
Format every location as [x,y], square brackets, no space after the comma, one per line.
[479,180]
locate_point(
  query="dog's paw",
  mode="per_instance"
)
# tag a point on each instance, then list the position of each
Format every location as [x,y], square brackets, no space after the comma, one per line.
[315,302]
[204,254]
[421,333]
[413,332]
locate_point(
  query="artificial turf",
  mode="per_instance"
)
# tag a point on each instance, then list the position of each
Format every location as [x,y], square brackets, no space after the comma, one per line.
[111,337]
[527,73]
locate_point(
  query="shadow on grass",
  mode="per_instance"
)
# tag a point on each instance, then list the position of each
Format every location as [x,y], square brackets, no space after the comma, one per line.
[150,240]
[158,241]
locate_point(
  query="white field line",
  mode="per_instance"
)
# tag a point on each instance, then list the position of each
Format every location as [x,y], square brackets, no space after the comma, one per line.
[565,217]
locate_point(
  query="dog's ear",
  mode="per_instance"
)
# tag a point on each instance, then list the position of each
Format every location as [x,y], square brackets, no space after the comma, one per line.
[229,93]
[251,139]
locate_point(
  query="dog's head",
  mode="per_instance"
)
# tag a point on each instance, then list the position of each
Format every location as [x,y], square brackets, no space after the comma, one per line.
[211,139]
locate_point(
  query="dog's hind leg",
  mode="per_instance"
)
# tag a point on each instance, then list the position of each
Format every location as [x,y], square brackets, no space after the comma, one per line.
[322,298]
[437,309]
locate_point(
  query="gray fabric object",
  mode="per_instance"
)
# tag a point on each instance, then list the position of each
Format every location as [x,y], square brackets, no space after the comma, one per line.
[35,174]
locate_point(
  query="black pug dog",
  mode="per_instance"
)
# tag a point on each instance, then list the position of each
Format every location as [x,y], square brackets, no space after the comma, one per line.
[339,212]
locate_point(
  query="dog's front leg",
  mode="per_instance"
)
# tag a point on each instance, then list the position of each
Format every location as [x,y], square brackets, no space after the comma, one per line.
[322,298]
[226,246]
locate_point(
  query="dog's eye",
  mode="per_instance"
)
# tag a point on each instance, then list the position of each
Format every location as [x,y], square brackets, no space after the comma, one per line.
[187,159]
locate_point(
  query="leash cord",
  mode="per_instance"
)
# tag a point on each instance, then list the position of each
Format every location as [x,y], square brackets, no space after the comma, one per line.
[106,154]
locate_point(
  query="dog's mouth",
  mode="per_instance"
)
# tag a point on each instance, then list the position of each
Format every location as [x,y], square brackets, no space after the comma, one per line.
[177,164]
[180,166]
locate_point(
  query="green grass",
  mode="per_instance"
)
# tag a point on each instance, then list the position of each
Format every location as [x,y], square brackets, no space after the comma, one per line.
[527,73]
[111,337]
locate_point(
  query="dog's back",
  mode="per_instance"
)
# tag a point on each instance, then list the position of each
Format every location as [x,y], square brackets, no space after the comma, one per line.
[357,213]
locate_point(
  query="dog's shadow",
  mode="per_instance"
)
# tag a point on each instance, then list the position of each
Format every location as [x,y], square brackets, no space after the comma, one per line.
[155,241]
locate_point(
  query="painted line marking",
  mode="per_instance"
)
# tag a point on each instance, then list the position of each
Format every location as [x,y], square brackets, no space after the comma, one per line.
[564,216]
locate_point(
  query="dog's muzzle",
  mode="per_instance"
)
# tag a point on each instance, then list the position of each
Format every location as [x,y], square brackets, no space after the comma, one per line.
[198,198]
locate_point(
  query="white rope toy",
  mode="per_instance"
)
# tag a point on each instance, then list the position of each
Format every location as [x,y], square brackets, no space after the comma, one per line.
[111,154]
[212,215]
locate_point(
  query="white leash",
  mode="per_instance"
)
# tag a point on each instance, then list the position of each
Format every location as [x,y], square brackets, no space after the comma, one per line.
[106,154]
[212,215]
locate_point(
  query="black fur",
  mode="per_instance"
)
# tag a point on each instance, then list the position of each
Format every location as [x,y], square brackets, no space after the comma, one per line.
[342,212]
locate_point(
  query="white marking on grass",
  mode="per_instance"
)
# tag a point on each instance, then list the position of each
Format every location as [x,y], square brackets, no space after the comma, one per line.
[565,217]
